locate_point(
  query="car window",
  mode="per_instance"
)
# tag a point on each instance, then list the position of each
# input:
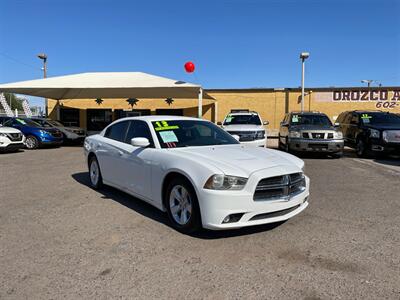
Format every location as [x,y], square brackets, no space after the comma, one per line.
[304,119]
[347,118]
[354,119]
[189,133]
[380,118]
[245,119]
[117,131]
[139,129]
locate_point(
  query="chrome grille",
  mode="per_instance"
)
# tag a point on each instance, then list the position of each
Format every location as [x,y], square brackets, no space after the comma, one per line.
[14,136]
[280,187]
[391,136]
[244,136]
[318,135]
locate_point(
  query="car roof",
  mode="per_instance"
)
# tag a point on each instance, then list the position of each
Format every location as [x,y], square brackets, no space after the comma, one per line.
[308,113]
[162,118]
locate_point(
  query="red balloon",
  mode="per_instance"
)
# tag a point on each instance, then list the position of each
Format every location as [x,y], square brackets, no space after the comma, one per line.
[189,67]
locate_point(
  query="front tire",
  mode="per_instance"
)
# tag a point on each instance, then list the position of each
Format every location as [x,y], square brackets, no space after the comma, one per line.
[361,149]
[31,142]
[96,180]
[182,206]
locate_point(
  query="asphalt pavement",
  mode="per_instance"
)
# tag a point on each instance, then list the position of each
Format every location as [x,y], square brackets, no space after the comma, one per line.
[61,239]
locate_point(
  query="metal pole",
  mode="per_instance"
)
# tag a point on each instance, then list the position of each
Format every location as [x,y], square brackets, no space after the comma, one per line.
[200,104]
[302,84]
[46,102]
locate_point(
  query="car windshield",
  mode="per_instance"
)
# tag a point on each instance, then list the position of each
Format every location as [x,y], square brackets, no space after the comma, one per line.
[251,119]
[380,118]
[188,133]
[317,120]
[24,122]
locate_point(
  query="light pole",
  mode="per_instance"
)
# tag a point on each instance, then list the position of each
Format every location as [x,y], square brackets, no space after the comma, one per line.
[43,57]
[303,57]
[367,81]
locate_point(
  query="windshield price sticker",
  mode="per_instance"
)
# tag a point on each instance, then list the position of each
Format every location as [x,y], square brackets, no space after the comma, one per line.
[366,116]
[163,125]
[295,118]
[168,136]
[21,121]
[228,118]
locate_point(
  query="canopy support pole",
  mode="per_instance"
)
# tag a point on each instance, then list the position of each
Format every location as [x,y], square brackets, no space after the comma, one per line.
[200,104]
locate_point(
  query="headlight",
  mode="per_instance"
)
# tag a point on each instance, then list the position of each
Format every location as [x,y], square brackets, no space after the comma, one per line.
[337,135]
[260,134]
[225,182]
[374,133]
[3,134]
[294,134]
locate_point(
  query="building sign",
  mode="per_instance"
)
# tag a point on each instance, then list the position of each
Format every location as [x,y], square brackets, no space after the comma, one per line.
[382,98]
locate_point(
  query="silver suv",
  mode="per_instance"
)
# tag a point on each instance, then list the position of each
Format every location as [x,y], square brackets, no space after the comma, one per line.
[310,131]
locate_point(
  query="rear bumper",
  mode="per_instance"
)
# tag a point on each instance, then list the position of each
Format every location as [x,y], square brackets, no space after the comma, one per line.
[308,145]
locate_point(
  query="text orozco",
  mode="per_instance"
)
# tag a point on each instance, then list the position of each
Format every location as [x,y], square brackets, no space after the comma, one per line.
[366,95]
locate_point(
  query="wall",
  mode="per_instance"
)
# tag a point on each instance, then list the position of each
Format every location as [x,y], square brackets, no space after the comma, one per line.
[269,103]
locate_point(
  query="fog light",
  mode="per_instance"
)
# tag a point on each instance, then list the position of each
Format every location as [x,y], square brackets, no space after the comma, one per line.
[232,218]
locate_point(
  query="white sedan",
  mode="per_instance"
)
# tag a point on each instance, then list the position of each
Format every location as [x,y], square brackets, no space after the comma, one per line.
[196,172]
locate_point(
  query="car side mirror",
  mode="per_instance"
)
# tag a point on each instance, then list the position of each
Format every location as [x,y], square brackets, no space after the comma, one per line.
[219,123]
[266,123]
[284,124]
[140,142]
[236,137]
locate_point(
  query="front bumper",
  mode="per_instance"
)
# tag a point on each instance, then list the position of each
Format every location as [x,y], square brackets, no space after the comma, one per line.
[314,145]
[256,143]
[12,147]
[383,147]
[216,205]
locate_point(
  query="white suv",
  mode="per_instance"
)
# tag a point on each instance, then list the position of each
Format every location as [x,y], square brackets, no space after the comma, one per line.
[248,126]
[11,139]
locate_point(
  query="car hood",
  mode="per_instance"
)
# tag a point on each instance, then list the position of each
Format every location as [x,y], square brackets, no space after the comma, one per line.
[312,127]
[240,160]
[248,127]
[384,126]
[9,130]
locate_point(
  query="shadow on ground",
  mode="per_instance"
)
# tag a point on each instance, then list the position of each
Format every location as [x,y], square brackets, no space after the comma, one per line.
[149,211]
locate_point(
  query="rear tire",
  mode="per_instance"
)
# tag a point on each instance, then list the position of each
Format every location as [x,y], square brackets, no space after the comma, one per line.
[96,180]
[31,142]
[182,206]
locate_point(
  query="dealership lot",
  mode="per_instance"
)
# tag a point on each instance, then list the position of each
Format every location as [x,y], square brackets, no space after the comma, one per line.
[61,239]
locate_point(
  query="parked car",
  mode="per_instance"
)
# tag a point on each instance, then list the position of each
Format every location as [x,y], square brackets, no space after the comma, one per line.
[11,139]
[247,126]
[36,135]
[310,131]
[70,134]
[197,172]
[371,132]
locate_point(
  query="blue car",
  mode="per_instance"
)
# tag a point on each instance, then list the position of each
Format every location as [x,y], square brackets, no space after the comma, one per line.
[36,135]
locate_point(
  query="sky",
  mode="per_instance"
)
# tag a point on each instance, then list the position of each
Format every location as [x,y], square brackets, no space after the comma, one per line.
[233,43]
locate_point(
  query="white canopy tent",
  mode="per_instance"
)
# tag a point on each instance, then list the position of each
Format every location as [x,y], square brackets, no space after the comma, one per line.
[107,85]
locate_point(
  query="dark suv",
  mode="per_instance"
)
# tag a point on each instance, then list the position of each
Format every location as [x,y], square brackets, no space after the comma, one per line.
[370,132]
[310,131]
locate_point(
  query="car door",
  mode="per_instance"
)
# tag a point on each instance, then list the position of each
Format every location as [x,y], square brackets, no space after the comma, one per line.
[136,162]
[109,152]
[284,128]
[352,130]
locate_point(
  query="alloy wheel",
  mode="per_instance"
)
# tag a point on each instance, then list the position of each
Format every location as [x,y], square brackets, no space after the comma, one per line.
[180,205]
[94,172]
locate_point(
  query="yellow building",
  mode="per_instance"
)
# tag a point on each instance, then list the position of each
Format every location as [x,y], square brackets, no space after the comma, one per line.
[271,104]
